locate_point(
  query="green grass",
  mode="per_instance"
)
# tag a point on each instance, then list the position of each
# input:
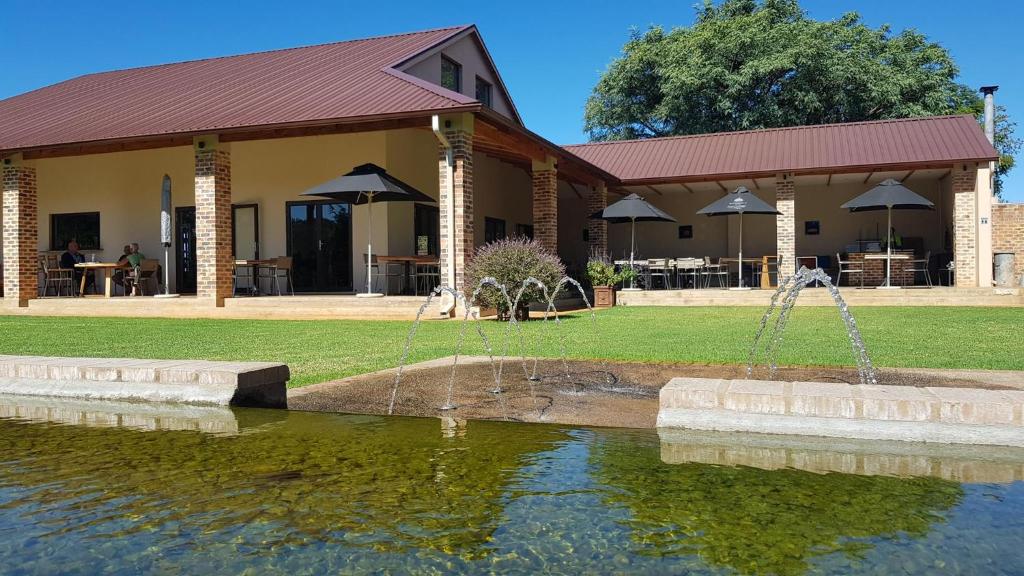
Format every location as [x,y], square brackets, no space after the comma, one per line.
[324,350]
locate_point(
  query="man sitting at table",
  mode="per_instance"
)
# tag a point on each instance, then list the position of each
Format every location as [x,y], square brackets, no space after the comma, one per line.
[135,256]
[73,256]
[123,262]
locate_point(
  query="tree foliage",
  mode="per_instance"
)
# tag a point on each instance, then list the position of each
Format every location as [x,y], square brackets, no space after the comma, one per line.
[748,64]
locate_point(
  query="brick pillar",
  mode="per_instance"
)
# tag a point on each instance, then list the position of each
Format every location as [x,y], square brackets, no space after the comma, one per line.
[785,224]
[597,230]
[457,235]
[965,224]
[545,204]
[213,220]
[20,233]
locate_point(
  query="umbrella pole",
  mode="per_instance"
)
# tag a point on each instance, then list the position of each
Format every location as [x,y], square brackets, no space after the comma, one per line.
[632,248]
[369,248]
[739,271]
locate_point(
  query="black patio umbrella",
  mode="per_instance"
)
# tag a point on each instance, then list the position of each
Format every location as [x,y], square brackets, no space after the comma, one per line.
[366,184]
[740,201]
[632,209]
[889,195]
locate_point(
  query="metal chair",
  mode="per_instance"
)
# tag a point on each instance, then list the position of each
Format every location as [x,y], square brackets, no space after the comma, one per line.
[687,267]
[425,276]
[717,271]
[55,276]
[243,273]
[280,270]
[147,274]
[920,265]
[844,267]
[659,268]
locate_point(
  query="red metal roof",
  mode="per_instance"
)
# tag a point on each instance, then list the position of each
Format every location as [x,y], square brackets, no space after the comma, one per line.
[343,80]
[909,141]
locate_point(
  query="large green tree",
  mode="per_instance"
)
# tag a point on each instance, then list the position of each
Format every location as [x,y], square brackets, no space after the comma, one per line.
[746,64]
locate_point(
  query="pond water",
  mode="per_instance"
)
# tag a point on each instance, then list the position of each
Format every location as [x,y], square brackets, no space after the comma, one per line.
[297,493]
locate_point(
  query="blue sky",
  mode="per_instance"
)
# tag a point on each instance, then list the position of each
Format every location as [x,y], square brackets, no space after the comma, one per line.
[549,53]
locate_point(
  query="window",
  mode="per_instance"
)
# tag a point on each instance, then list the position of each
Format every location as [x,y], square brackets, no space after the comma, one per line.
[483,91]
[81,226]
[524,231]
[451,74]
[812,227]
[685,232]
[427,226]
[494,230]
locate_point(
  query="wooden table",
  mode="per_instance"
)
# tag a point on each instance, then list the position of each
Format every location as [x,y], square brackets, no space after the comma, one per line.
[766,279]
[408,261]
[105,268]
[255,264]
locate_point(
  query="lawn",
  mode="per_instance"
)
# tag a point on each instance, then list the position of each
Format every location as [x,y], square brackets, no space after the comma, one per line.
[324,350]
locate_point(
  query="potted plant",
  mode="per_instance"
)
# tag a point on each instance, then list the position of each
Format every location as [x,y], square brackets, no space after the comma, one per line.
[603,279]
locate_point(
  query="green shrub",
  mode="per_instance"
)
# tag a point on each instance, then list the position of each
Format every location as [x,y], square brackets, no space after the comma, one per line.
[601,272]
[510,262]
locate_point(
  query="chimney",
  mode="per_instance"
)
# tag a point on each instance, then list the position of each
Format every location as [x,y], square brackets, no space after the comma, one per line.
[990,113]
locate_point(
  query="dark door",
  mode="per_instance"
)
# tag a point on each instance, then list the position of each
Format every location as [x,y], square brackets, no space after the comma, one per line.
[320,244]
[427,226]
[185,253]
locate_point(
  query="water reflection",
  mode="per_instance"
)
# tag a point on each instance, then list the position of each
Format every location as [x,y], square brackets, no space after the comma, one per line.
[312,493]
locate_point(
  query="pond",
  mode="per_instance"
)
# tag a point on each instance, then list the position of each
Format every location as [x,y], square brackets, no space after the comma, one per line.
[307,493]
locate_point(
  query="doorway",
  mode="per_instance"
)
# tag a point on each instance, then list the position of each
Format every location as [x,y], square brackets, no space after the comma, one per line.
[320,244]
[245,231]
[185,253]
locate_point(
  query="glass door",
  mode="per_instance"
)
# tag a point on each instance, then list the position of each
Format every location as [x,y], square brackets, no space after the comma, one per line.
[320,244]
[245,231]
[185,250]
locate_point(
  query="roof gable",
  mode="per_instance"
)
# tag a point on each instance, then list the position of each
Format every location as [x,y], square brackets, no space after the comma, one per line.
[291,86]
[830,147]
[468,49]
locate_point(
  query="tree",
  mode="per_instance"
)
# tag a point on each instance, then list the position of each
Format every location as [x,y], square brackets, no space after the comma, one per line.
[746,64]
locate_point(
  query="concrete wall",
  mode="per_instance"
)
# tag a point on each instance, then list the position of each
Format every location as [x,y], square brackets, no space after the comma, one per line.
[466,52]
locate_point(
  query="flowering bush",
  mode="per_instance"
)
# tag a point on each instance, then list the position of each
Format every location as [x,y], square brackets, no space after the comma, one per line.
[510,262]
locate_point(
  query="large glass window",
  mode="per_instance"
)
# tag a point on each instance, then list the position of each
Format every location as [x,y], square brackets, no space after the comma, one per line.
[81,226]
[451,74]
[524,230]
[494,229]
[483,91]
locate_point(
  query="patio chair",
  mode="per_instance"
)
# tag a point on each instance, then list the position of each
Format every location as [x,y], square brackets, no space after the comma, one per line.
[659,268]
[718,271]
[688,268]
[848,267]
[143,275]
[920,265]
[280,270]
[425,276]
[56,277]
[242,276]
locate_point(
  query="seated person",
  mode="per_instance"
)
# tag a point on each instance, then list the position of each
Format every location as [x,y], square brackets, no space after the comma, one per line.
[135,256]
[73,256]
[119,278]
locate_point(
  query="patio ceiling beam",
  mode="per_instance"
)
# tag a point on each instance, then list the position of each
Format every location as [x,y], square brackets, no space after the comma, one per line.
[572,185]
[756,185]
[908,175]
[655,190]
[868,177]
[724,189]
[828,180]
[685,187]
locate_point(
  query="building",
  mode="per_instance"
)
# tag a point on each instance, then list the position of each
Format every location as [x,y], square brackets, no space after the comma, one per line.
[241,136]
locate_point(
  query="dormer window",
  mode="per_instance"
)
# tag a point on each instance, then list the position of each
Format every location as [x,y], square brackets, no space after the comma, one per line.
[451,74]
[483,91]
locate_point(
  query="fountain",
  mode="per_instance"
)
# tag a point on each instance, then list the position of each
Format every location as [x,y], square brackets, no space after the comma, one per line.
[791,288]
[513,329]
